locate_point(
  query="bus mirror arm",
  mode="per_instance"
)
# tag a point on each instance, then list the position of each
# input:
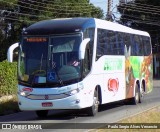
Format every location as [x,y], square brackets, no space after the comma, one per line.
[82,48]
[10,52]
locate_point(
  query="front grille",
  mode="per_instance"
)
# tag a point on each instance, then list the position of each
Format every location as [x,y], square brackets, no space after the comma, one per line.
[47,97]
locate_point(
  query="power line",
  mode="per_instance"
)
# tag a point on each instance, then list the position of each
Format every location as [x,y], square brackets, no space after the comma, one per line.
[153,20]
[44,10]
[55,2]
[24,14]
[87,6]
[100,2]
[45,17]
[138,21]
[22,6]
[141,8]
[145,5]
[16,19]
[135,10]
[51,2]
[148,9]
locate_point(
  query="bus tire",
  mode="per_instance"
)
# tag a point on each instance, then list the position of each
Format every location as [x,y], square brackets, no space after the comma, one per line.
[92,111]
[141,93]
[42,113]
[137,97]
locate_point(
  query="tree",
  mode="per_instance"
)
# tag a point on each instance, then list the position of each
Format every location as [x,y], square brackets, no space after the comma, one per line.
[143,15]
[15,15]
[41,9]
[7,30]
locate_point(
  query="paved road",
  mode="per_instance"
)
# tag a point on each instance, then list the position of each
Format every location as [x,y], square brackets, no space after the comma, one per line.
[109,113]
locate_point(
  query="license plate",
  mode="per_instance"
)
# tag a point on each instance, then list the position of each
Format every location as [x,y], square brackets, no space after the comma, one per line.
[47,104]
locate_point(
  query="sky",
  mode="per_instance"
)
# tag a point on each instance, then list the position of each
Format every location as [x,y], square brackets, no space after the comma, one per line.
[103,4]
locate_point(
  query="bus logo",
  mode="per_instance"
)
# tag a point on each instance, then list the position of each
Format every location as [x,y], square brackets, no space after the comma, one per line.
[46,97]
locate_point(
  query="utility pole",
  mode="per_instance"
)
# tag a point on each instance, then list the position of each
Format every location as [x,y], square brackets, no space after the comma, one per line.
[109,13]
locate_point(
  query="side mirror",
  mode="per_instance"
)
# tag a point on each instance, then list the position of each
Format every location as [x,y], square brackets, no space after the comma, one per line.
[10,52]
[82,48]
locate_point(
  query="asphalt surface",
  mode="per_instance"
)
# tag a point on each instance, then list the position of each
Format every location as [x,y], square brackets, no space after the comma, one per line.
[109,113]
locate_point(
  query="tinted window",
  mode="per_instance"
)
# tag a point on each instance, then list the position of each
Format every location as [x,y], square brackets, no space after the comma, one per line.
[141,46]
[113,43]
[147,46]
[109,43]
[101,42]
[120,44]
[89,33]
[135,46]
[138,48]
[127,39]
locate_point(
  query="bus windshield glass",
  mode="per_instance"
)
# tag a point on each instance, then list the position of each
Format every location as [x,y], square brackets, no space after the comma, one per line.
[54,60]
[64,63]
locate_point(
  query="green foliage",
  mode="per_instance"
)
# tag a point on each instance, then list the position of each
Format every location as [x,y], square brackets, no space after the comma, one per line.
[142,15]
[96,12]
[8,78]
[9,105]
[18,14]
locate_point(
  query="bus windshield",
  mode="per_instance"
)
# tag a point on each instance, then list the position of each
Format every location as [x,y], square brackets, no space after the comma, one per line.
[49,60]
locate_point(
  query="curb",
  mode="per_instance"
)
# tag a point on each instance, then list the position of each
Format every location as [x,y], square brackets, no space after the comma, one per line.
[6,98]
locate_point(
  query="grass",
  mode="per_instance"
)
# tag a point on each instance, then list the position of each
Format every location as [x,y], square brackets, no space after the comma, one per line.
[150,116]
[8,105]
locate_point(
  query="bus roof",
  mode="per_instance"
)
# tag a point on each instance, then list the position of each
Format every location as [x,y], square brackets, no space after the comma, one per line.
[59,26]
[118,27]
[73,25]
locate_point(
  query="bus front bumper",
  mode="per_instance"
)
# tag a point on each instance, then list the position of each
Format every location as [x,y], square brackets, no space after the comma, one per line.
[72,102]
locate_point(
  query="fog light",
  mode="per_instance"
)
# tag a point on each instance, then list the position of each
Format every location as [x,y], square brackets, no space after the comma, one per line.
[19,103]
[77,101]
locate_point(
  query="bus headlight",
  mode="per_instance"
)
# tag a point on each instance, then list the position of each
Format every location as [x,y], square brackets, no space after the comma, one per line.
[25,91]
[73,92]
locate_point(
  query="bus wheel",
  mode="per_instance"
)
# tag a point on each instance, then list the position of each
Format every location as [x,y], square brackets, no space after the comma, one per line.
[92,111]
[141,94]
[137,98]
[42,113]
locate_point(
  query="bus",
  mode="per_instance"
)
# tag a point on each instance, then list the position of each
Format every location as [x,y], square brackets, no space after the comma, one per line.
[82,63]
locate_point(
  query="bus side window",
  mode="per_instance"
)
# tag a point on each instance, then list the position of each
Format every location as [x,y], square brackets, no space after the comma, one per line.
[146,45]
[135,46]
[89,33]
[86,61]
[111,43]
[100,43]
[141,47]
[120,43]
[127,42]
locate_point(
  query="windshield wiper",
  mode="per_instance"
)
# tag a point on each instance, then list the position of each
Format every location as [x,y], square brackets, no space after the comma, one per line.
[55,69]
[41,62]
[38,72]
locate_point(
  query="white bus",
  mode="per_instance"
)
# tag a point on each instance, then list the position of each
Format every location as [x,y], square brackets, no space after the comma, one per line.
[81,63]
